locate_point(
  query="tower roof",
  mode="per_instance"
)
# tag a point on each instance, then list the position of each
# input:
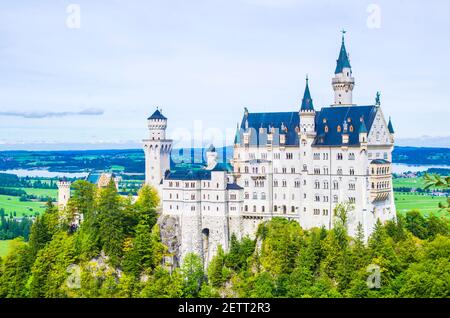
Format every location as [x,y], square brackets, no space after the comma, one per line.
[362,127]
[307,103]
[157,115]
[211,148]
[237,137]
[342,60]
[391,129]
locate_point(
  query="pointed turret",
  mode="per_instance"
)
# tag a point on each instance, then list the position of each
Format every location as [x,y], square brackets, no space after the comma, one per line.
[307,113]
[362,132]
[342,61]
[362,128]
[391,129]
[237,136]
[343,81]
[307,103]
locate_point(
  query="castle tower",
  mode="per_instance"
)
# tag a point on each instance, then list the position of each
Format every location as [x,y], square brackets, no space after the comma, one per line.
[63,193]
[211,157]
[157,150]
[307,112]
[343,81]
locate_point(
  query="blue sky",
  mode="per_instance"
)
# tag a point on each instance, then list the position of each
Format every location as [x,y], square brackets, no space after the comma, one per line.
[206,60]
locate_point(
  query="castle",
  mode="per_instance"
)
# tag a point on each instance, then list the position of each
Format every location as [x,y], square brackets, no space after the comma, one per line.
[297,165]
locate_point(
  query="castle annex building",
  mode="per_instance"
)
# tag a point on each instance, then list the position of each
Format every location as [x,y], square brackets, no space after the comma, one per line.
[295,164]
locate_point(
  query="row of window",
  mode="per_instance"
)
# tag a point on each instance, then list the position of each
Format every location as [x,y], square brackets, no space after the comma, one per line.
[276,156]
[339,171]
[317,212]
[381,170]
[381,185]
[206,184]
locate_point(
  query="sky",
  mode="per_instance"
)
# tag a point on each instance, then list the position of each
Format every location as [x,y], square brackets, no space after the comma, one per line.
[91,72]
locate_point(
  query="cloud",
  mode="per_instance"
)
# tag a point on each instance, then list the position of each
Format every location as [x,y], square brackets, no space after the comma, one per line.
[84,112]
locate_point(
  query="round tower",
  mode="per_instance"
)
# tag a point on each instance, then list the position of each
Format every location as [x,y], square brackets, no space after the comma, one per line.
[157,150]
[63,192]
[343,80]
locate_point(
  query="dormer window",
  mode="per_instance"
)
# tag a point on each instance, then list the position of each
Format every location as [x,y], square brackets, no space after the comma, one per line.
[351,128]
[326,128]
[339,128]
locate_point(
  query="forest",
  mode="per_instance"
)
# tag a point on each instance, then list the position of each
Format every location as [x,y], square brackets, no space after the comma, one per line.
[117,252]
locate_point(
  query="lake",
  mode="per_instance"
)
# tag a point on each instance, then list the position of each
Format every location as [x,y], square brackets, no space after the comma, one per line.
[44,173]
[402,168]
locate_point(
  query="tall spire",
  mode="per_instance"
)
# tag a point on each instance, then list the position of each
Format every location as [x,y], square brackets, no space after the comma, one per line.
[390,128]
[237,136]
[307,103]
[342,61]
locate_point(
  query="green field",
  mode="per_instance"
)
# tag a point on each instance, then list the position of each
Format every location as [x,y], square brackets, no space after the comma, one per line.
[408,183]
[4,247]
[11,204]
[426,204]
[52,193]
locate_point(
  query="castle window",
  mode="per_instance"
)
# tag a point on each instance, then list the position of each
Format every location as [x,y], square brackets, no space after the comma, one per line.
[246,208]
[316,184]
[246,195]
[263,196]
[352,171]
[292,209]
[335,198]
[263,209]
[316,211]
[254,208]
[317,198]
[339,128]
[292,170]
[325,211]
[339,156]
[275,208]
[335,185]
[339,171]
[255,195]
[284,183]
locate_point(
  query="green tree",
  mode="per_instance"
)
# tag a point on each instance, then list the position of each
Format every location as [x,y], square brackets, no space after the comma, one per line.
[193,275]
[110,228]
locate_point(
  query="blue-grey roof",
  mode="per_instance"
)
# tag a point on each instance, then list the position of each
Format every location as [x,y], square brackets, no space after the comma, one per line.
[342,60]
[189,174]
[157,115]
[332,117]
[307,103]
[379,161]
[267,120]
[391,129]
[234,186]
[358,119]
[93,177]
[211,148]
[222,167]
